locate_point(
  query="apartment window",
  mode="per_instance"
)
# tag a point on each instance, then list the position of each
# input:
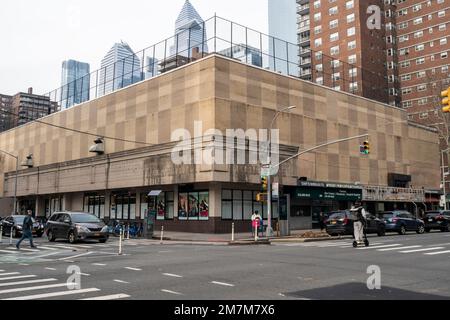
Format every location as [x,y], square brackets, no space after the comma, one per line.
[404,52]
[318,55]
[421,74]
[442,27]
[334,50]
[441,14]
[350,18]
[420,47]
[444,55]
[403,25]
[334,36]
[420,61]
[317,4]
[422,101]
[350,4]
[406,91]
[403,12]
[351,31]
[417,7]
[318,42]
[334,24]
[405,77]
[421,87]
[407,104]
[418,34]
[319,80]
[351,45]
[405,64]
[444,69]
[333,11]
[353,72]
[354,86]
[335,64]
[319,67]
[317,16]
[423,115]
[317,29]
[417,21]
[337,88]
[352,59]
[443,41]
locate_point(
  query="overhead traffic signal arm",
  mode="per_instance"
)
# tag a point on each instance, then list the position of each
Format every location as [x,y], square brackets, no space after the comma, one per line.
[445,95]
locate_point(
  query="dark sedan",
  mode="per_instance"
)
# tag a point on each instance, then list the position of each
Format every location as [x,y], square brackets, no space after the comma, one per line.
[402,221]
[341,223]
[75,226]
[439,220]
[15,223]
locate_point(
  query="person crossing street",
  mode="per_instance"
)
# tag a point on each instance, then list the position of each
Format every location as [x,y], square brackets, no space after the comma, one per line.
[27,230]
[360,221]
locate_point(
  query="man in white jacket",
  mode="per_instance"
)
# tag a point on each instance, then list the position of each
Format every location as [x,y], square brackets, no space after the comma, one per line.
[360,220]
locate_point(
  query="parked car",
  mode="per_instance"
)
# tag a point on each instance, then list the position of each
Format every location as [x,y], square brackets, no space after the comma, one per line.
[341,223]
[439,220]
[402,221]
[15,223]
[75,226]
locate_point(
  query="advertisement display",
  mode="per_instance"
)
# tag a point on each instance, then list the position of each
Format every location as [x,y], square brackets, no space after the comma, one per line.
[183,206]
[204,205]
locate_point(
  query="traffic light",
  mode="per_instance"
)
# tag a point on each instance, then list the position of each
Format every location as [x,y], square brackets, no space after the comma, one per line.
[445,95]
[261,197]
[366,147]
[264,184]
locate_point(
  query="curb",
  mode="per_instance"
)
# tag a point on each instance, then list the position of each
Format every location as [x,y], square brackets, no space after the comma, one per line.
[307,239]
[249,243]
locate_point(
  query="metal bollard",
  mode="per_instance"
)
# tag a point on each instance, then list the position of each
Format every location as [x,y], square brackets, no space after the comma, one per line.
[11,236]
[128,232]
[120,242]
[232,232]
[1,234]
[162,234]
[256,233]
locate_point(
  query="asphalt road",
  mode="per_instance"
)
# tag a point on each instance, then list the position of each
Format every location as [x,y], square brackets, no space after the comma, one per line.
[413,267]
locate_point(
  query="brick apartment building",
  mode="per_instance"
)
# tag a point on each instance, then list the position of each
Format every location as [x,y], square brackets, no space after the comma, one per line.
[22,108]
[409,49]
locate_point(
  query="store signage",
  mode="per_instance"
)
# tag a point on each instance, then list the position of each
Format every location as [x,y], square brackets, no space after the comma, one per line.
[315,184]
[329,194]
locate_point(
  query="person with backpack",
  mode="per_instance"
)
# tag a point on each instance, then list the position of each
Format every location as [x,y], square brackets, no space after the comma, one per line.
[359,223]
[27,232]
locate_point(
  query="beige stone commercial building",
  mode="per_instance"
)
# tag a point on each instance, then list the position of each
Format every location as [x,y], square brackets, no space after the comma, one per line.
[222,94]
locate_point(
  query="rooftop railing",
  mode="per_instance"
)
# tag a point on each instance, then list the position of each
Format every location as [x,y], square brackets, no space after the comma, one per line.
[219,36]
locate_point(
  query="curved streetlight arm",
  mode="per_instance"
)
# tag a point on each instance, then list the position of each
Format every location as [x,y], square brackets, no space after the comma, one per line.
[9,154]
[318,147]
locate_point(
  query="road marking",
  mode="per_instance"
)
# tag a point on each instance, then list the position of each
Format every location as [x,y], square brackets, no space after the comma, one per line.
[164,251]
[47,248]
[2,270]
[83,274]
[52,269]
[54,294]
[6,251]
[82,246]
[18,277]
[435,253]
[421,250]
[399,248]
[172,292]
[29,250]
[172,275]
[59,285]
[23,264]
[9,274]
[77,256]
[121,281]
[46,255]
[99,264]
[26,282]
[111,297]
[223,284]
[133,269]
[380,247]
[65,247]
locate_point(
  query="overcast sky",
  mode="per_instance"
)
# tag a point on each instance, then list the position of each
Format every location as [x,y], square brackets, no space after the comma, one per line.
[37,35]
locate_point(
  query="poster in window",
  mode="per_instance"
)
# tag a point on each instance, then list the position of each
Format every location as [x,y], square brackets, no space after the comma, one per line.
[204,205]
[182,206]
[161,207]
[193,206]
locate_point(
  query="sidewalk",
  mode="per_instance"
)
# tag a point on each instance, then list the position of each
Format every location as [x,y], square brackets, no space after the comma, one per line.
[296,235]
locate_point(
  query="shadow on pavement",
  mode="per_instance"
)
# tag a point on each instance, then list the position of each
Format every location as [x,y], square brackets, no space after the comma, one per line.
[359,291]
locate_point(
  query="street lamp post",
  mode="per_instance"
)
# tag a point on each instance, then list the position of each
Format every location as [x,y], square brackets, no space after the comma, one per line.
[269,175]
[443,178]
[15,182]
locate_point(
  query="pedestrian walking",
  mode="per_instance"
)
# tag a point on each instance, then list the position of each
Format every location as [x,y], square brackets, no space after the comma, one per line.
[256,222]
[27,230]
[359,222]
[322,221]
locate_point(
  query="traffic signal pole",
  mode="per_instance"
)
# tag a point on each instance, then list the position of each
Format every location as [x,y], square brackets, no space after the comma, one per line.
[443,180]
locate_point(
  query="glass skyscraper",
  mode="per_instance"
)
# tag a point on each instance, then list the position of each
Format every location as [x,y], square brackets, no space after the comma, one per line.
[189,25]
[120,67]
[75,83]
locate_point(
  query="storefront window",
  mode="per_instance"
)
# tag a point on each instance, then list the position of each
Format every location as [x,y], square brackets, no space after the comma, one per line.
[237,205]
[95,204]
[204,205]
[240,205]
[123,206]
[183,206]
[193,206]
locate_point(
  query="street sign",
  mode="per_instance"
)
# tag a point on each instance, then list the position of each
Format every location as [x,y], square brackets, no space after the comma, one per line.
[275,190]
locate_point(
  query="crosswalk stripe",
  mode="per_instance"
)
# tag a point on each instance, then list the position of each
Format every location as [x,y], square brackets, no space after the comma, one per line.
[8,251]
[399,248]
[9,274]
[421,250]
[47,248]
[380,247]
[110,297]
[2,270]
[26,282]
[46,255]
[133,269]
[18,277]
[77,256]
[50,286]
[28,250]
[54,294]
[436,253]
[64,247]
